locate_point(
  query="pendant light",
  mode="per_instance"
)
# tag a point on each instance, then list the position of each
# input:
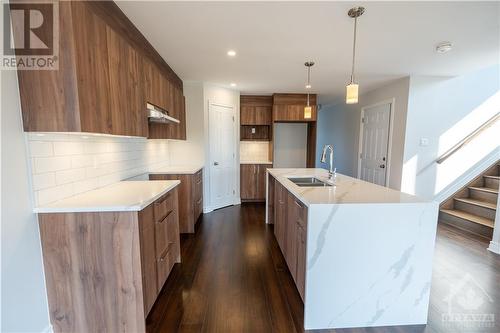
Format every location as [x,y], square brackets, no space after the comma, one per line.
[352,89]
[308,108]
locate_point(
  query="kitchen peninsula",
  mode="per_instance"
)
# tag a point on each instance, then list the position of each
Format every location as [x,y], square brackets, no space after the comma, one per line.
[360,254]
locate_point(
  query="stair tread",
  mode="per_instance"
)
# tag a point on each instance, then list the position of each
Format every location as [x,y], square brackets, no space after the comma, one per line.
[469,217]
[484,189]
[476,202]
[490,176]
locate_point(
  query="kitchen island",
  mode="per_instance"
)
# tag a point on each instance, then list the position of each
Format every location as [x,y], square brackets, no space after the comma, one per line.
[360,254]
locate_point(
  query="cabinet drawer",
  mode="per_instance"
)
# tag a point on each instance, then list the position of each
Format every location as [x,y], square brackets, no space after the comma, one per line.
[162,233]
[164,265]
[163,207]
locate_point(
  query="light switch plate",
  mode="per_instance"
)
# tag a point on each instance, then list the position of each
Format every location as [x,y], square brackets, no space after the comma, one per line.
[424,142]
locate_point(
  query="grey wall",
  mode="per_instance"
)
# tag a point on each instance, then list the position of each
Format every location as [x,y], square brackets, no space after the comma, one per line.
[290,145]
[339,125]
[24,300]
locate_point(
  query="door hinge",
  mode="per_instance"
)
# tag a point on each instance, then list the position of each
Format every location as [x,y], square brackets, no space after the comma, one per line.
[233,118]
[363,120]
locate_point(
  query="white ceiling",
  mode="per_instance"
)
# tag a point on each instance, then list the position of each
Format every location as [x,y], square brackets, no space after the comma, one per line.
[274,39]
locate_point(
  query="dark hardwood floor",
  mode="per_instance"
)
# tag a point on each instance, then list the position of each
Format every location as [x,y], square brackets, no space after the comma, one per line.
[233,278]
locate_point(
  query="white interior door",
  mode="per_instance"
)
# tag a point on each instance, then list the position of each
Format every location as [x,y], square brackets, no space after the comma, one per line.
[374,143]
[222,155]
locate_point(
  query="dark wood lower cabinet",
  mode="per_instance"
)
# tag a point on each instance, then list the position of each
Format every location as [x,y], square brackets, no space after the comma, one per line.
[190,198]
[290,230]
[253,181]
[104,270]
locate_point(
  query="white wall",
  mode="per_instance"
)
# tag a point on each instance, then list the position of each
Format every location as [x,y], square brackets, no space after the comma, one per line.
[24,302]
[339,125]
[443,111]
[290,145]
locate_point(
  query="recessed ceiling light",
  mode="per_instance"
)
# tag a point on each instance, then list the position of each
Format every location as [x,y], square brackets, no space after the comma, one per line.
[233,84]
[231,53]
[444,47]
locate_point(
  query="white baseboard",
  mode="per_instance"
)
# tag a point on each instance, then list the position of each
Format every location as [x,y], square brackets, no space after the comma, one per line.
[494,247]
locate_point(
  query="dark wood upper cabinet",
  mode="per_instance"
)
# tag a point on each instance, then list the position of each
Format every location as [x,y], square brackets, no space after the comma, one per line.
[290,107]
[107,72]
[256,110]
[128,107]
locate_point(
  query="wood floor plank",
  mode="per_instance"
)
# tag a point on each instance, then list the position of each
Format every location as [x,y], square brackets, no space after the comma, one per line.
[233,278]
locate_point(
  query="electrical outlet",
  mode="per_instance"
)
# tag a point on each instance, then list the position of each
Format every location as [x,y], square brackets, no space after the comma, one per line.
[253,130]
[424,142]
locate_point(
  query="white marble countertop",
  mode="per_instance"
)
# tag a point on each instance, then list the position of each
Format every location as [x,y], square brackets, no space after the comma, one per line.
[121,196]
[347,190]
[255,162]
[177,169]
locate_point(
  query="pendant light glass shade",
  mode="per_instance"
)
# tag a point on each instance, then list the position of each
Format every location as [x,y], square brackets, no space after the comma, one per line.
[351,93]
[307,112]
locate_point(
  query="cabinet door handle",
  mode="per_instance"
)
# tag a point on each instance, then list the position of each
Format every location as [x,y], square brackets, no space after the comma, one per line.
[165,217]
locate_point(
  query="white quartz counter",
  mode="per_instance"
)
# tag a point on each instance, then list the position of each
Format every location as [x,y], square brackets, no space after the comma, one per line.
[121,196]
[255,162]
[346,190]
[177,169]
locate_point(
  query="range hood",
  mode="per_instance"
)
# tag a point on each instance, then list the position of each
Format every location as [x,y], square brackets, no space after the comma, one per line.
[158,115]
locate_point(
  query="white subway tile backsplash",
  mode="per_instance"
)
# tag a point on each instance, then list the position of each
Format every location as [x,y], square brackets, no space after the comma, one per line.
[44,180]
[41,149]
[254,150]
[68,148]
[48,164]
[67,164]
[70,176]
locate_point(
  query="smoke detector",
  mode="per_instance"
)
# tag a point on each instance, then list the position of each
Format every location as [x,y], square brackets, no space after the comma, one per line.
[443,47]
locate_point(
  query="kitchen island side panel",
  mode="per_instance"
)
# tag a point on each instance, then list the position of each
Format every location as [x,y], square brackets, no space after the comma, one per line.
[369,264]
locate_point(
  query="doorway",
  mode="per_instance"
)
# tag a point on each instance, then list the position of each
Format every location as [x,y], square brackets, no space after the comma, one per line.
[222,133]
[375,142]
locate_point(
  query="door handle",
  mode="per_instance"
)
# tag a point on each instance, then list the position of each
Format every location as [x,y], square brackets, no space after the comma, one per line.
[382,166]
[216,163]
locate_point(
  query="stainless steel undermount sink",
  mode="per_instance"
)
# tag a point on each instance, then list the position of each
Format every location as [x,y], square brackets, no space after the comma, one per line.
[308,182]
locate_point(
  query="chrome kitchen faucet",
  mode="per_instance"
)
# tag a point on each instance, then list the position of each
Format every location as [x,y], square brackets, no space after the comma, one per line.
[332,172]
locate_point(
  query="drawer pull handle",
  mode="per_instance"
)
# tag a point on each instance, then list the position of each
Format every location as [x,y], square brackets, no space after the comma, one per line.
[199,202]
[165,217]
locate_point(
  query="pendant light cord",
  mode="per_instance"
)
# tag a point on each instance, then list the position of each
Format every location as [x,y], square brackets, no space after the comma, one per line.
[354,49]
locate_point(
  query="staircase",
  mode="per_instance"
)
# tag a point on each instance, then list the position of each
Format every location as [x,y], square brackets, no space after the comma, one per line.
[473,208]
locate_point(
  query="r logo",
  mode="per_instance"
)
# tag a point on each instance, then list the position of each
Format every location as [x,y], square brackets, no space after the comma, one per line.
[32,27]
